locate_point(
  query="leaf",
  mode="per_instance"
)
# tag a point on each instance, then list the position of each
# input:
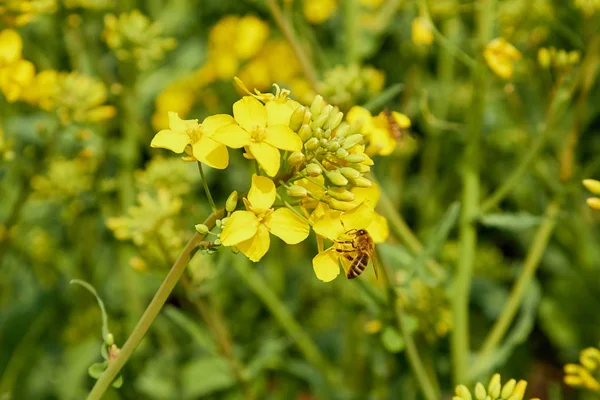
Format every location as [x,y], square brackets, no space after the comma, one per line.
[205,376]
[510,221]
[117,383]
[96,369]
[379,101]
[392,340]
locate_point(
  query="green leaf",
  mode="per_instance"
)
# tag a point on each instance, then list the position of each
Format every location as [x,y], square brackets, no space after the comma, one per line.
[392,340]
[205,376]
[96,369]
[510,221]
[117,383]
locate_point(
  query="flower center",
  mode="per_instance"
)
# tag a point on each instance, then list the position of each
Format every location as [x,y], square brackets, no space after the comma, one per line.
[257,134]
[195,133]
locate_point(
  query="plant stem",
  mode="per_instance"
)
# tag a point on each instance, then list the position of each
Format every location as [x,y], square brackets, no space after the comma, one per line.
[152,311]
[350,11]
[460,346]
[287,31]
[532,261]
[206,189]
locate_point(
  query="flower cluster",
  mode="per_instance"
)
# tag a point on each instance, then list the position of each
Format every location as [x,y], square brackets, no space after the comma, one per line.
[133,37]
[593,186]
[586,375]
[22,12]
[511,390]
[422,31]
[310,152]
[500,57]
[557,58]
[346,86]
[15,72]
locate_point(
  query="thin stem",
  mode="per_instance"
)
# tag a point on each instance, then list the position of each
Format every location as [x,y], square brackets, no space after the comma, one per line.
[206,189]
[288,32]
[460,346]
[532,261]
[350,12]
[152,311]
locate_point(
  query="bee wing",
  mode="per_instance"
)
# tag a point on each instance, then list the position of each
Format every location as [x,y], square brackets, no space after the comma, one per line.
[373,256]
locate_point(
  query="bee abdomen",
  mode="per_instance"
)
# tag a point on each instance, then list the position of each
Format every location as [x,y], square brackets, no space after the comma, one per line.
[357,266]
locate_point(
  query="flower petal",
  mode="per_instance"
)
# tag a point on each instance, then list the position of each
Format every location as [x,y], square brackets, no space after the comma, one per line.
[211,153]
[241,226]
[378,229]
[371,194]
[279,113]
[287,226]
[262,192]
[214,122]
[267,156]
[359,217]
[177,124]
[232,135]
[168,139]
[257,246]
[282,137]
[326,265]
[330,225]
[250,113]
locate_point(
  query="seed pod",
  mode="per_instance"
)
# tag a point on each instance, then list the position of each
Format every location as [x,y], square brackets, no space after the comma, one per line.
[337,178]
[305,133]
[317,106]
[231,203]
[592,185]
[356,158]
[297,118]
[297,191]
[349,173]
[341,153]
[296,158]
[362,182]
[352,141]
[342,130]
[340,205]
[313,170]
[312,144]
[339,193]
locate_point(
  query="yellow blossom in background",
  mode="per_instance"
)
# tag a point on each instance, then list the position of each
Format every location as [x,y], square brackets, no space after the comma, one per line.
[511,390]
[22,12]
[249,230]
[11,47]
[15,78]
[318,11]
[263,129]
[587,374]
[593,186]
[176,99]
[199,137]
[500,57]
[371,3]
[422,31]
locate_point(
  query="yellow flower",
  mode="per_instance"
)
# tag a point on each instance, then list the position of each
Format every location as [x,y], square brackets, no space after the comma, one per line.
[198,136]
[249,230]
[251,34]
[380,134]
[422,33]
[500,56]
[11,46]
[333,225]
[263,129]
[14,78]
[176,98]
[318,11]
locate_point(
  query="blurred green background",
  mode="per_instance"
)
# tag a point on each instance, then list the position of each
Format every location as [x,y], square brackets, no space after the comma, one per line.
[507,132]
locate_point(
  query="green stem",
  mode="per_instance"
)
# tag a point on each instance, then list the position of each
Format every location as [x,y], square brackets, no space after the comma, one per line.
[213,207]
[350,11]
[532,261]
[460,346]
[152,311]
[288,32]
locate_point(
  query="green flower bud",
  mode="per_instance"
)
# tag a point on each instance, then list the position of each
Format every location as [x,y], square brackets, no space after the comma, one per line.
[307,117]
[340,194]
[313,170]
[297,191]
[342,130]
[463,393]
[319,121]
[336,178]
[544,57]
[297,118]
[224,221]
[494,386]
[352,141]
[324,143]
[341,153]
[318,133]
[519,391]
[218,223]
[335,118]
[362,182]
[327,133]
[356,158]
[312,144]
[573,57]
[296,158]
[305,132]
[231,203]
[561,58]
[508,388]
[592,185]
[109,340]
[349,173]
[480,393]
[594,203]
[217,242]
[362,168]
[333,146]
[317,106]
[340,205]
[201,229]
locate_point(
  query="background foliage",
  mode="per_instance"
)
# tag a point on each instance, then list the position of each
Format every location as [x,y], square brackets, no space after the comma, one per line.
[75,159]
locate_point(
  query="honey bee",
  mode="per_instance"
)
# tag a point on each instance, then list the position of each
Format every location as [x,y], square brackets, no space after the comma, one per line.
[358,251]
[393,127]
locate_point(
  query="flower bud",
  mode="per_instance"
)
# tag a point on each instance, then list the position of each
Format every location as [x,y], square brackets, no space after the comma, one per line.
[362,168]
[313,170]
[231,203]
[544,57]
[327,133]
[317,106]
[312,144]
[594,203]
[201,229]
[335,118]
[307,117]
[573,57]
[463,393]
[218,223]
[297,118]
[561,58]
[337,178]
[519,391]
[592,185]
[340,205]
[341,153]
[480,393]
[362,182]
[340,194]
[217,242]
[296,158]
[494,386]
[319,121]
[305,133]
[324,143]
[318,133]
[342,130]
[333,146]
[352,141]
[109,340]
[356,158]
[508,388]
[297,191]
[224,221]
[349,173]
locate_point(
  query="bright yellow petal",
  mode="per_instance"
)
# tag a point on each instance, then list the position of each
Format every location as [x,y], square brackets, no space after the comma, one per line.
[11,46]
[250,113]
[177,124]
[257,246]
[279,113]
[287,226]
[214,122]
[211,153]
[360,116]
[168,139]
[232,135]
[371,194]
[326,265]
[359,217]
[378,228]
[267,156]
[282,137]
[330,225]
[241,226]
[262,192]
